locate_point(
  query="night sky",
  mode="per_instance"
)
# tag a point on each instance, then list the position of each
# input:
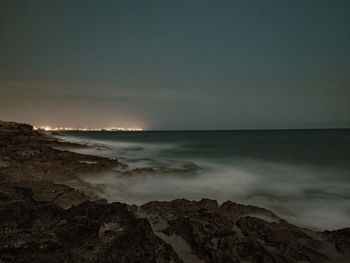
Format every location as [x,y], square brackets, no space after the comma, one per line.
[176,64]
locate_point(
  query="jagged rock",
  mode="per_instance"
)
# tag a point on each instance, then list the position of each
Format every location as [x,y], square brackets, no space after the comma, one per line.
[40,231]
[31,156]
[237,233]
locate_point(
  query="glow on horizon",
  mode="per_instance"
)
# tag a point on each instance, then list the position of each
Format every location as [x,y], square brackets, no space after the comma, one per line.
[49,128]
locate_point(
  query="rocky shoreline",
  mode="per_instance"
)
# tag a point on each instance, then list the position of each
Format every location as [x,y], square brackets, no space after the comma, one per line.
[44,219]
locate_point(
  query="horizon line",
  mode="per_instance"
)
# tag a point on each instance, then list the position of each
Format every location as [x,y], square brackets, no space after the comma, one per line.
[123,129]
[187,130]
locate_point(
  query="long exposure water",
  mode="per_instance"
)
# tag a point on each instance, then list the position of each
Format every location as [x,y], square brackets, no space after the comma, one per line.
[301,175]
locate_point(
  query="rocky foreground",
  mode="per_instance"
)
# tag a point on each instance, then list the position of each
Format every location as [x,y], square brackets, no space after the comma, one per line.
[42,219]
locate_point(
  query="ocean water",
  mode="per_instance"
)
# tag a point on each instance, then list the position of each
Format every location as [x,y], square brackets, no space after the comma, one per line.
[301,175]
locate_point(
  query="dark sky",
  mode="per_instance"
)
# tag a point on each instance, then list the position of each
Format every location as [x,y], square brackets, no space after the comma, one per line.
[176,64]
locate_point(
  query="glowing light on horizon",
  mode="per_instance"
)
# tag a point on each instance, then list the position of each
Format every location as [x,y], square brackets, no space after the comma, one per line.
[48,128]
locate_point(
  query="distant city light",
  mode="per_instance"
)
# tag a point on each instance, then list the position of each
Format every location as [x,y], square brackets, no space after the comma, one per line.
[48,128]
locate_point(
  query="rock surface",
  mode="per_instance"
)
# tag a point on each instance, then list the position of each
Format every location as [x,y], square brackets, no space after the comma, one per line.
[233,232]
[40,231]
[35,159]
[43,220]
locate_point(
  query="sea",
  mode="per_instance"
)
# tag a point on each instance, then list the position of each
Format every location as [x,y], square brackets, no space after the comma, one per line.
[302,176]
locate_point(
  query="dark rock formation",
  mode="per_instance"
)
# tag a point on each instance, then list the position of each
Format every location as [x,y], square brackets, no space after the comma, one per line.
[186,168]
[340,238]
[27,155]
[238,233]
[39,231]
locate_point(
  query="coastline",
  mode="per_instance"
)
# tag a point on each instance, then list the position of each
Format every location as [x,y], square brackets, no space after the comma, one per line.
[43,216]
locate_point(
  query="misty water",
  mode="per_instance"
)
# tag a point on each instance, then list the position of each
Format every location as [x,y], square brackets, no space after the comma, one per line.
[301,175]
